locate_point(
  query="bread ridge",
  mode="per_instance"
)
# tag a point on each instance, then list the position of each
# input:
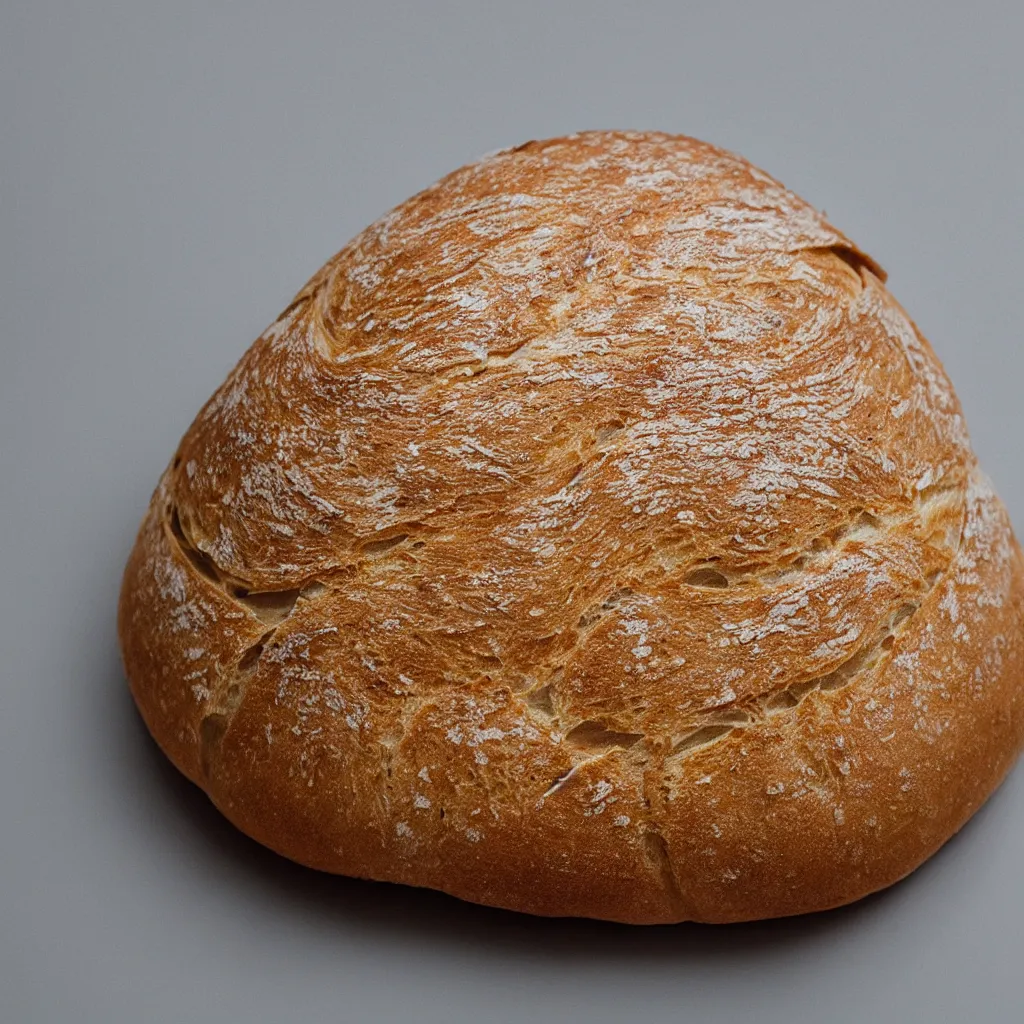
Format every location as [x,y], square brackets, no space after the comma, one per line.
[593,535]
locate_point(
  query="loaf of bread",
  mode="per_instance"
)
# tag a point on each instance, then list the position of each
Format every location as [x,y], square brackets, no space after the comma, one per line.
[593,535]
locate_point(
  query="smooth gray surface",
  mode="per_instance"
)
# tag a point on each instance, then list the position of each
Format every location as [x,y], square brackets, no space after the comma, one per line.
[169,176]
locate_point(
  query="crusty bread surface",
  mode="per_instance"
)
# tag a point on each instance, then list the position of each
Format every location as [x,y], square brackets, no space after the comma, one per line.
[593,535]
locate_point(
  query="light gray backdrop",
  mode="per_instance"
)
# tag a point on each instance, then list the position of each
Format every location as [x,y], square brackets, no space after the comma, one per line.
[170,174]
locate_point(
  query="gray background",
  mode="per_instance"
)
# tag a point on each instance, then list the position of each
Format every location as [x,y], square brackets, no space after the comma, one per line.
[170,175]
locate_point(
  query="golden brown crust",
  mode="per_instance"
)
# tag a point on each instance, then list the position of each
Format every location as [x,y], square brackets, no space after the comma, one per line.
[592,535]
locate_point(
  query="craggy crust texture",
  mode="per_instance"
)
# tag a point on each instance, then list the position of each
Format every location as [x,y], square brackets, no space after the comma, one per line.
[593,535]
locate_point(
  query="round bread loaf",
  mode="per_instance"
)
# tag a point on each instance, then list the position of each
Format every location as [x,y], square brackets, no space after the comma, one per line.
[593,535]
